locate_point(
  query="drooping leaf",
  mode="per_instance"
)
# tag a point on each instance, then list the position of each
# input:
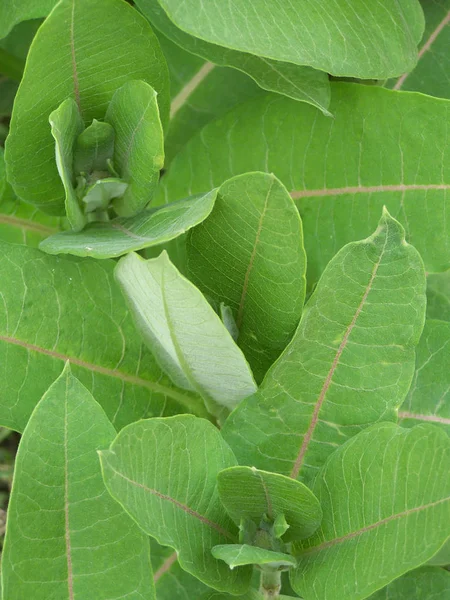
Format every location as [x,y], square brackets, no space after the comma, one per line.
[431,74]
[12,13]
[127,234]
[249,254]
[139,143]
[236,555]
[298,82]
[249,493]
[381,148]
[426,583]
[125,49]
[58,309]
[382,516]
[428,399]
[438,296]
[350,362]
[375,40]
[186,336]
[164,473]
[66,537]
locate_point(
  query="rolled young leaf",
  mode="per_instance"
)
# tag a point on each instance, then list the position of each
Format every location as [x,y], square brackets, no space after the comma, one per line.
[66,537]
[349,364]
[386,501]
[186,336]
[164,473]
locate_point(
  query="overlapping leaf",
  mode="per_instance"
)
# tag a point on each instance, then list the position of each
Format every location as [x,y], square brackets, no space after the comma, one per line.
[12,13]
[350,362]
[438,296]
[427,583]
[66,537]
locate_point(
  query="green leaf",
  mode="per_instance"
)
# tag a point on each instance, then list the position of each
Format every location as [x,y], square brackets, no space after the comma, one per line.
[12,13]
[381,148]
[250,595]
[249,254]
[246,492]
[428,399]
[236,555]
[66,538]
[164,473]
[184,333]
[431,74]
[66,125]
[58,309]
[350,363]
[438,296]
[93,147]
[442,557]
[139,143]
[385,496]
[298,82]
[90,64]
[375,40]
[148,228]
[427,583]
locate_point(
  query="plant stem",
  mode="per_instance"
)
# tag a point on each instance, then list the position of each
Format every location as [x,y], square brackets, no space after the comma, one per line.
[270,586]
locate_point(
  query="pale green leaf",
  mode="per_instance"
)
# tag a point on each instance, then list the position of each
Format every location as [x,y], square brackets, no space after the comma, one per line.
[357,39]
[385,495]
[93,147]
[236,555]
[164,473]
[12,12]
[139,143]
[186,336]
[99,195]
[381,148]
[246,492]
[249,254]
[84,50]
[428,400]
[66,125]
[438,296]
[66,538]
[427,583]
[350,362]
[298,82]
[58,309]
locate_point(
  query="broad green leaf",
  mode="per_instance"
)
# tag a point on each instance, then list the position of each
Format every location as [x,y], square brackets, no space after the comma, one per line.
[58,309]
[66,125]
[164,473]
[122,235]
[427,583]
[186,336]
[249,254]
[246,492]
[298,82]
[236,555]
[428,400]
[385,496]
[12,13]
[381,148]
[350,362]
[432,72]
[100,46]
[139,143]
[375,40]
[441,558]
[438,296]
[66,537]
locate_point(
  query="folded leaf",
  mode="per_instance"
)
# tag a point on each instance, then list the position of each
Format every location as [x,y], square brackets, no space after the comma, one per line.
[119,236]
[236,555]
[381,148]
[66,538]
[375,40]
[428,399]
[427,583]
[249,254]
[298,82]
[59,309]
[438,296]
[385,495]
[248,493]
[164,473]
[186,336]
[350,363]
[73,57]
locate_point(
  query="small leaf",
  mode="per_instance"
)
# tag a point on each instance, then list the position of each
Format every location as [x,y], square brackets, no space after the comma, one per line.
[236,555]
[164,473]
[120,236]
[66,125]
[99,195]
[250,493]
[139,145]
[184,333]
[377,502]
[66,538]
[93,147]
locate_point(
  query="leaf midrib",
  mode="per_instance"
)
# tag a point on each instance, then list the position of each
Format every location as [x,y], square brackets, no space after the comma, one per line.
[367,189]
[66,502]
